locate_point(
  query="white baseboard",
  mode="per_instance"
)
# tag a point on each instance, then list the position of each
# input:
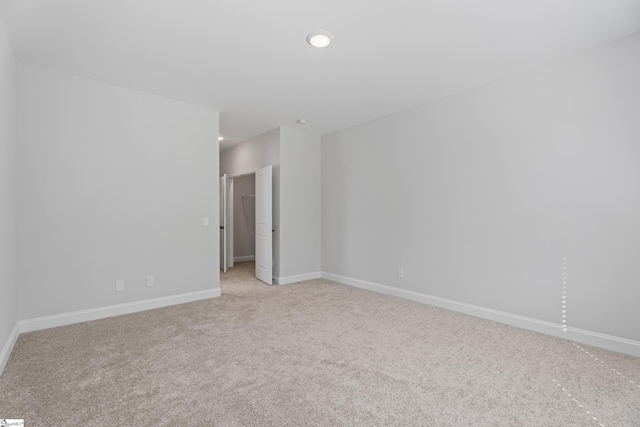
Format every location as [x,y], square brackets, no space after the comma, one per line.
[244,258]
[47,322]
[8,347]
[287,280]
[609,342]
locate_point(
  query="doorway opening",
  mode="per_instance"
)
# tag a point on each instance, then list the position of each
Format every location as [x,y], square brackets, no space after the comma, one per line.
[246,222]
[244,218]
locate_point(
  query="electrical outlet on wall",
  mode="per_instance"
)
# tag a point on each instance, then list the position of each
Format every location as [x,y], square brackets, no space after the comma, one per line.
[400,272]
[119,285]
[150,281]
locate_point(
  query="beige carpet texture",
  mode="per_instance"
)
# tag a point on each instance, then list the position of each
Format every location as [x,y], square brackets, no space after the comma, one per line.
[315,353]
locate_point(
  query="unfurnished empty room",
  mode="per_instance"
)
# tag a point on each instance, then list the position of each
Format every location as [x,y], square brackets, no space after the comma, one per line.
[338,213]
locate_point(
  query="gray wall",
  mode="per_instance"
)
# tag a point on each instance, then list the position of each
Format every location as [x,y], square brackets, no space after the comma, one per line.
[251,155]
[480,195]
[244,216]
[299,202]
[113,184]
[8,195]
[295,156]
[248,157]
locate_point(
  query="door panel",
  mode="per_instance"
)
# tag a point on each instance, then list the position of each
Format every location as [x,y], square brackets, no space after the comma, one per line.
[264,225]
[223,223]
[229,226]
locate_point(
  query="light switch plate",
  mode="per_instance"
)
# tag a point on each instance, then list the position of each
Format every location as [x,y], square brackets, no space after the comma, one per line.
[119,285]
[205,221]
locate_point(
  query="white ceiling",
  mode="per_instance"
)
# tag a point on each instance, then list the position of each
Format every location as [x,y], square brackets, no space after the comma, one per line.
[250,59]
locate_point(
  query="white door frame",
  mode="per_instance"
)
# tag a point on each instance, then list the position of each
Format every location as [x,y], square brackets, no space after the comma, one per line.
[231,250]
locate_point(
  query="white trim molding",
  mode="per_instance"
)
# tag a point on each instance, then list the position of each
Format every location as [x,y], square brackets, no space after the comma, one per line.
[244,258]
[112,310]
[287,280]
[46,322]
[8,347]
[609,342]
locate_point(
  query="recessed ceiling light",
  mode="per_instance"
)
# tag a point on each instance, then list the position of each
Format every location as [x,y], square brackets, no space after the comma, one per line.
[221,138]
[302,122]
[320,38]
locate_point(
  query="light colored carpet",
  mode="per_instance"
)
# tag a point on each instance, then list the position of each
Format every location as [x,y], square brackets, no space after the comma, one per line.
[315,353]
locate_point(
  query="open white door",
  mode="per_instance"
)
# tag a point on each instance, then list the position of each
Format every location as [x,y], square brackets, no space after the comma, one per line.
[264,225]
[229,226]
[223,223]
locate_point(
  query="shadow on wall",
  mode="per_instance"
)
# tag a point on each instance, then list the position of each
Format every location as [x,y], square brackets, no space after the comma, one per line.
[249,214]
